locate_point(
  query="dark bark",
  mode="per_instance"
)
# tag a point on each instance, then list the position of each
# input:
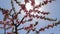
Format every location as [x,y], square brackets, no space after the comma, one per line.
[16,29]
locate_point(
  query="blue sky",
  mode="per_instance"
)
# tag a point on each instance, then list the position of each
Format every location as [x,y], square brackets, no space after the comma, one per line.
[53,8]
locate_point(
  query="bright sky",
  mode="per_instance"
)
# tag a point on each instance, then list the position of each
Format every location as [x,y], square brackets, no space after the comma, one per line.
[53,8]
